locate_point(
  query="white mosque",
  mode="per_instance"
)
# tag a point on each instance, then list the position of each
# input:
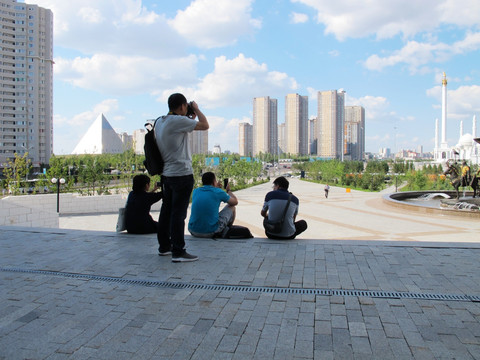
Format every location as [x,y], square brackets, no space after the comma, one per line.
[468,146]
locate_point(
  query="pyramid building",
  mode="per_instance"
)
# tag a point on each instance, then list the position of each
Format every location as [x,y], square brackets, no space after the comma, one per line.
[100,138]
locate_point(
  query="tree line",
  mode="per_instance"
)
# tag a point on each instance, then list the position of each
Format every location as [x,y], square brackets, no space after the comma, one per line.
[112,173]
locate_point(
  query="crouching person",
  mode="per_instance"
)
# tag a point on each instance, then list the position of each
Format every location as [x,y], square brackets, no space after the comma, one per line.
[139,202]
[280,210]
[205,220]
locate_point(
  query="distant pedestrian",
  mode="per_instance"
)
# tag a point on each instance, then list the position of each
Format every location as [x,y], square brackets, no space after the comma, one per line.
[327,189]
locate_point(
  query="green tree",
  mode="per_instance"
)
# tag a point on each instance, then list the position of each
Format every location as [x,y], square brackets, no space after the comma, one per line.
[16,172]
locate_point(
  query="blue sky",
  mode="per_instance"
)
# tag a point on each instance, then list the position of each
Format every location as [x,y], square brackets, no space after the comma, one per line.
[123,58]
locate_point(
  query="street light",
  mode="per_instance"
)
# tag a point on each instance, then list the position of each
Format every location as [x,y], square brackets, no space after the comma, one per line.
[58,182]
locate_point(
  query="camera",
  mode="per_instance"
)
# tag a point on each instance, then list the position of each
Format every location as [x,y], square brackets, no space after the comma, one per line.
[225,183]
[190,111]
[158,184]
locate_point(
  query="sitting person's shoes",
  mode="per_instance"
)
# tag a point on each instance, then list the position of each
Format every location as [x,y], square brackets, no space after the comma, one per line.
[185,257]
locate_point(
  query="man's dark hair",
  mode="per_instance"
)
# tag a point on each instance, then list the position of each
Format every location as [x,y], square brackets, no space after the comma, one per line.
[208,178]
[139,182]
[175,101]
[281,182]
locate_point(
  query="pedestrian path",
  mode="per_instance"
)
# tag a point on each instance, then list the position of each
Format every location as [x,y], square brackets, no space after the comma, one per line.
[365,281]
[354,215]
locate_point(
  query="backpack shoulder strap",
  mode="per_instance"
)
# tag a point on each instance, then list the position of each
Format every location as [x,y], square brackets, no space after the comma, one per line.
[151,125]
[286,206]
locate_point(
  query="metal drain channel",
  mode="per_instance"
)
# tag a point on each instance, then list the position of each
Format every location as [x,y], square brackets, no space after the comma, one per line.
[258,289]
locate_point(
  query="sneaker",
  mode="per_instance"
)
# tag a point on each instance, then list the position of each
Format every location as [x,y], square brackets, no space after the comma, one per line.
[185,257]
[164,253]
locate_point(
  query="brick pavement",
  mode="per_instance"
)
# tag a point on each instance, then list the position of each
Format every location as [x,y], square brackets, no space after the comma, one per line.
[99,295]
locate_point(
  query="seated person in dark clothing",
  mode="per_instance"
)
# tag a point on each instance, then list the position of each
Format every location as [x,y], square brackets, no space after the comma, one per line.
[274,206]
[139,202]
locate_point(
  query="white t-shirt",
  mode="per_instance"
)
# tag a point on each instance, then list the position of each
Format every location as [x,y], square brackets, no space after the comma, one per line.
[171,134]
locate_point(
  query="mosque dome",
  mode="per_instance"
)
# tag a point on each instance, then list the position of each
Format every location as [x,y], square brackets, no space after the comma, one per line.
[465,140]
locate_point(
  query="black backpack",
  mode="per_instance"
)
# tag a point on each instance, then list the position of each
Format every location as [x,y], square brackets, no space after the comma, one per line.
[238,232]
[153,158]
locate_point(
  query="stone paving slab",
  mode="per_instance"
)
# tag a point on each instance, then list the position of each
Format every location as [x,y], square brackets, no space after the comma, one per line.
[50,313]
[364,282]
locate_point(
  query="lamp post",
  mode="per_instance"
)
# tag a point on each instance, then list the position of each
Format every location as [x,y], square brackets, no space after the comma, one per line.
[58,182]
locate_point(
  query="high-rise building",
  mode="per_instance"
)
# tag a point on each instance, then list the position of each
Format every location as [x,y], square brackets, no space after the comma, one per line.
[282,140]
[384,153]
[198,142]
[296,122]
[264,125]
[331,112]
[26,82]
[139,141]
[354,139]
[312,139]
[245,139]
[217,149]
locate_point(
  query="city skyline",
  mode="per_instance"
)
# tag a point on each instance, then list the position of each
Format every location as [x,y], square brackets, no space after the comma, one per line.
[124,57]
[337,132]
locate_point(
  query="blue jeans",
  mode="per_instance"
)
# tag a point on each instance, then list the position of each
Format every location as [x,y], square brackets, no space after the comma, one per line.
[171,223]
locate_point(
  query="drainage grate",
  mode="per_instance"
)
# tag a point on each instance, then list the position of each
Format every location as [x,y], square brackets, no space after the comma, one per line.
[258,289]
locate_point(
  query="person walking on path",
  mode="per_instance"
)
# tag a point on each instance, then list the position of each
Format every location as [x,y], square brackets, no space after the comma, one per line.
[274,207]
[327,189]
[171,134]
[205,220]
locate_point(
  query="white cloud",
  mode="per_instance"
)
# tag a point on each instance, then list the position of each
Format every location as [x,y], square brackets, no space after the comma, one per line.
[236,82]
[89,15]
[224,132]
[106,107]
[114,26]
[416,54]
[385,19]
[462,103]
[128,27]
[125,74]
[376,107]
[213,23]
[298,18]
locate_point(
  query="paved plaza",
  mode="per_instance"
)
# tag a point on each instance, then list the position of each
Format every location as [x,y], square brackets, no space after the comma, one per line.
[365,281]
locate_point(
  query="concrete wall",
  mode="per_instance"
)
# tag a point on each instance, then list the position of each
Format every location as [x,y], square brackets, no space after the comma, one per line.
[41,210]
[15,214]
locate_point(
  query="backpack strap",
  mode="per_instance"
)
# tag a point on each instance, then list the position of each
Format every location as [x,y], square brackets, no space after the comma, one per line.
[286,207]
[151,126]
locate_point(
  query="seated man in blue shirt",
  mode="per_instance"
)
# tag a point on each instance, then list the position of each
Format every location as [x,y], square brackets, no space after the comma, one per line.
[205,220]
[274,206]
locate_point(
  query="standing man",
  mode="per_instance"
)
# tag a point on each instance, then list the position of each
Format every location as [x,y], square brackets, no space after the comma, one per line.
[274,206]
[327,189]
[171,133]
[205,220]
